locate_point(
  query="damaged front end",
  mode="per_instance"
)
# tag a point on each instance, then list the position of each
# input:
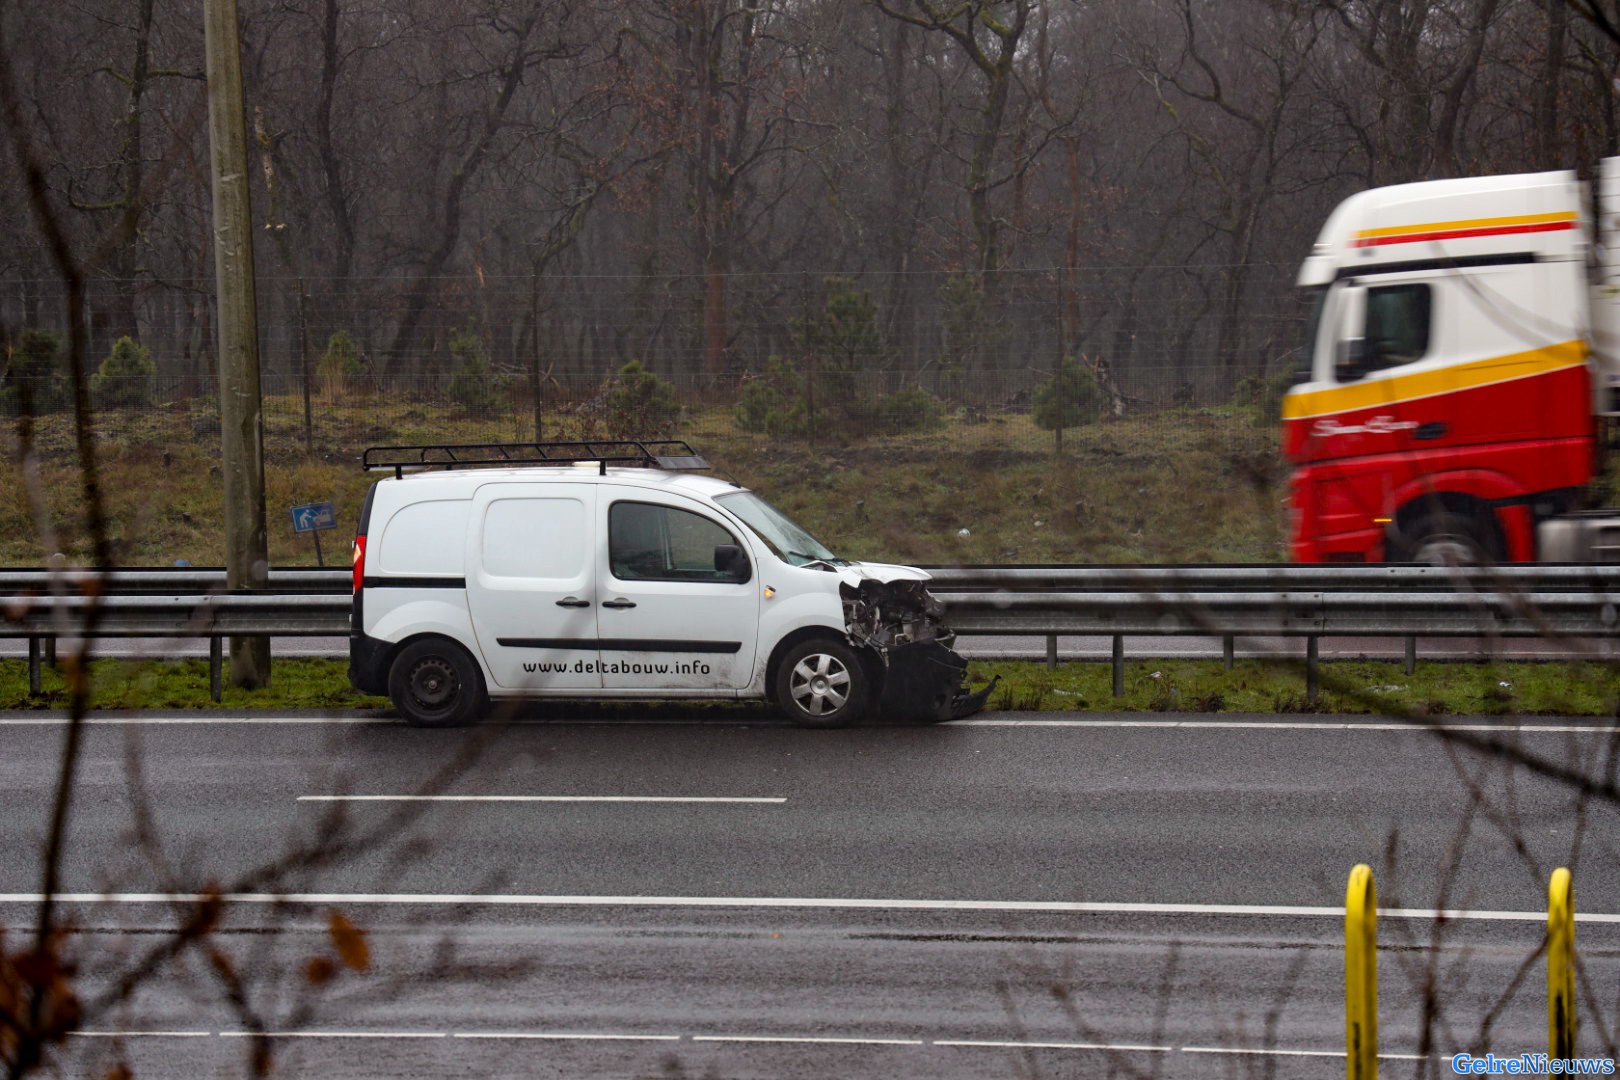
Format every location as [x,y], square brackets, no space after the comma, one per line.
[901,622]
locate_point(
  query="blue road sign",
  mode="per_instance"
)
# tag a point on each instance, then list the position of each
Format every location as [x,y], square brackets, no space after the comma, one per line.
[313,516]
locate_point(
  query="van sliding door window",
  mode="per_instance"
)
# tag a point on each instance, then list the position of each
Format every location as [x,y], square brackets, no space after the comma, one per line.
[1398,318]
[647,542]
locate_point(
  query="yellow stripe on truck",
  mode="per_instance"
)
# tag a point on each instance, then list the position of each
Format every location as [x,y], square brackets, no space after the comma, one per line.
[1371,393]
[1476,223]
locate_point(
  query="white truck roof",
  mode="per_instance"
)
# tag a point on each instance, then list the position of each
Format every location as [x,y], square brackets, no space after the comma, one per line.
[1447,221]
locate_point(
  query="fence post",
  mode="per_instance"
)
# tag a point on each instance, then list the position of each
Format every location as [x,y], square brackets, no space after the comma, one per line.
[215,662]
[1560,965]
[1312,675]
[1361,975]
[1119,666]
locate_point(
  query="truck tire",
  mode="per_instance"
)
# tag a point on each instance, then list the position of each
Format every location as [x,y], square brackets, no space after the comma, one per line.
[434,683]
[821,683]
[1443,538]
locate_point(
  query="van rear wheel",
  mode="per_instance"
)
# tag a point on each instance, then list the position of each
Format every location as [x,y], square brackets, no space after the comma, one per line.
[434,683]
[821,683]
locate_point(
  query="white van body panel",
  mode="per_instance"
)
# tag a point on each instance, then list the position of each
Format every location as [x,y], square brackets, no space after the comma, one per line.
[531,570]
[396,614]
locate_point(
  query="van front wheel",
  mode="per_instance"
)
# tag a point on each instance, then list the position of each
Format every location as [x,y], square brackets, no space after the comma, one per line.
[822,683]
[434,683]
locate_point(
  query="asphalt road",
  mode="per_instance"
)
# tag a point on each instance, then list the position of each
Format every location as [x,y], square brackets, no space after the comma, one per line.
[1070,896]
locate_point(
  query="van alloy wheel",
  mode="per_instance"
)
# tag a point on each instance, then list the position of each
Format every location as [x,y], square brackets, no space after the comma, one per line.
[820,684]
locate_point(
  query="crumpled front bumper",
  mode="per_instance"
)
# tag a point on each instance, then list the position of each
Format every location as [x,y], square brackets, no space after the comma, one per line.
[925,682]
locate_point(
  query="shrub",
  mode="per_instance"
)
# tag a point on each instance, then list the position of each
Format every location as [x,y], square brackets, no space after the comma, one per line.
[472,384]
[34,377]
[340,360]
[912,409]
[1068,399]
[124,380]
[773,403]
[640,404]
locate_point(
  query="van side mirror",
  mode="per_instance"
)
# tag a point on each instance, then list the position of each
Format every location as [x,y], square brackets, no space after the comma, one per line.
[730,560]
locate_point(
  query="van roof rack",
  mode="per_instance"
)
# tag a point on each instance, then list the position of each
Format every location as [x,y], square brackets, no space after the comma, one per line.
[643,453]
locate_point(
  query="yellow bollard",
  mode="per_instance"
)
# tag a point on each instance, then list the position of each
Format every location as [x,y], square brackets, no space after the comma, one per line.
[1560,965]
[1361,975]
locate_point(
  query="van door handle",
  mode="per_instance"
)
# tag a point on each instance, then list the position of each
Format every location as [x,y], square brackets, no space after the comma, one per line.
[618,604]
[573,601]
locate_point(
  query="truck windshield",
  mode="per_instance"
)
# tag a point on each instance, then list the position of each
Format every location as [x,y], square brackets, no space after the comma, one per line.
[784,536]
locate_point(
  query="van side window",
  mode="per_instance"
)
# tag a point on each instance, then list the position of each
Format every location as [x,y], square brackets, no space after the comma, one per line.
[647,542]
[1397,325]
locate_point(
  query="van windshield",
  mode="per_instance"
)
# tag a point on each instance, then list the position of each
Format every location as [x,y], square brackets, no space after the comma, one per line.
[780,532]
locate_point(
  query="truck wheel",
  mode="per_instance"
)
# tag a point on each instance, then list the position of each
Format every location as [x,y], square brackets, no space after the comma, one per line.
[1442,538]
[434,683]
[821,683]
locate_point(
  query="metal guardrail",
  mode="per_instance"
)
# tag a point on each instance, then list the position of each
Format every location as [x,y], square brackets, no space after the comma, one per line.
[1524,577]
[1307,602]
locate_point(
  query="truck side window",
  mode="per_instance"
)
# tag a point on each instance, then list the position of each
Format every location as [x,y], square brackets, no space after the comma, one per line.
[648,542]
[1397,325]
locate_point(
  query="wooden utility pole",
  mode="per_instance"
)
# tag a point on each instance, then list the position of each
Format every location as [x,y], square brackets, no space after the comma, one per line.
[241,411]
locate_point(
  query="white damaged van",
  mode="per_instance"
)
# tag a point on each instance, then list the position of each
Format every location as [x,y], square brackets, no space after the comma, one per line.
[609,570]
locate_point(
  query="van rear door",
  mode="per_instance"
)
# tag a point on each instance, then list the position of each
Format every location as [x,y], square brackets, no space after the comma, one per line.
[531,585]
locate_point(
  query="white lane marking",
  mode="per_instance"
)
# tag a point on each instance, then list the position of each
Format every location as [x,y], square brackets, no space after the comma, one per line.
[805,1039]
[982,721]
[1052,1045]
[61,721]
[1056,907]
[140,1034]
[1263,725]
[541,799]
[1273,1052]
[562,1035]
[335,1034]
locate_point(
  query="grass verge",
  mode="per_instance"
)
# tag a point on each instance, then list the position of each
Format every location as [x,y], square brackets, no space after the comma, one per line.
[1278,686]
[1348,686]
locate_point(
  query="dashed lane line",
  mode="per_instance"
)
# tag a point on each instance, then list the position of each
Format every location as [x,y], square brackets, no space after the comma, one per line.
[772,801]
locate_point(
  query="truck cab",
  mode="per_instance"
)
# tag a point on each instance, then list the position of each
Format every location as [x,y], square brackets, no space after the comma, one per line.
[1449,385]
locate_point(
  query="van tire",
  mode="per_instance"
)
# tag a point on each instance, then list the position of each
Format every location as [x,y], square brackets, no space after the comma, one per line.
[822,683]
[434,683]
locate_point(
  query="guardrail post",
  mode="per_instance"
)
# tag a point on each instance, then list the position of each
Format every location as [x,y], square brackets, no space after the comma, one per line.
[1051,652]
[1361,975]
[1227,649]
[1560,965]
[1312,674]
[215,662]
[1411,653]
[50,651]
[1119,666]
[34,687]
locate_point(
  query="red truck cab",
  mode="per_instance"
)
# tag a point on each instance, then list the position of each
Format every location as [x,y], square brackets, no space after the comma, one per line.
[1448,407]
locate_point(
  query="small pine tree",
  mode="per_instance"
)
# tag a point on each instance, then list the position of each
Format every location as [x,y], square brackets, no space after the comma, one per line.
[1068,399]
[124,379]
[472,384]
[640,404]
[34,378]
